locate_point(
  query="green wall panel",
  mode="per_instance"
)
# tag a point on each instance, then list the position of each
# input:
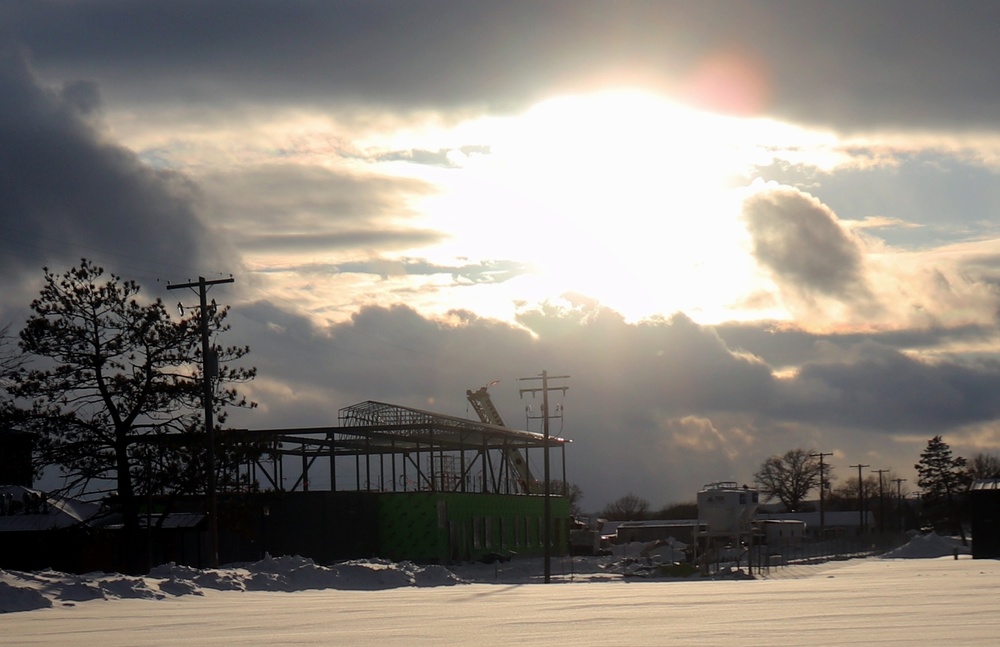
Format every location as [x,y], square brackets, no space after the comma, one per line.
[443,527]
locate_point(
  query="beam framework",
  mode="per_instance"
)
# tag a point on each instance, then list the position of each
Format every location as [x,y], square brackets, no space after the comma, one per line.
[438,452]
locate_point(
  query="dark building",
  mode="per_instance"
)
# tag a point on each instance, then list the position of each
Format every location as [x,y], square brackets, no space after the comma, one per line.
[15,458]
[984,509]
[406,484]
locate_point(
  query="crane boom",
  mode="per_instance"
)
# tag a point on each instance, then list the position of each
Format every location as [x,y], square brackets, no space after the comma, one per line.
[487,411]
[483,404]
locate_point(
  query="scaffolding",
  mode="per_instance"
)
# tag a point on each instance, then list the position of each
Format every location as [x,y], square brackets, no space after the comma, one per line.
[384,447]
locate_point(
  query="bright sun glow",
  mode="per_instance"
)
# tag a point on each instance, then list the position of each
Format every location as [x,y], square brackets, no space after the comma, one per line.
[620,196]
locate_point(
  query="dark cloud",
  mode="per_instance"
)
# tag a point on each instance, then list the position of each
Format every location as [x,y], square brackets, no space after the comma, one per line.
[310,195]
[299,208]
[932,196]
[294,207]
[689,368]
[851,64]
[782,345]
[66,193]
[799,240]
[879,388]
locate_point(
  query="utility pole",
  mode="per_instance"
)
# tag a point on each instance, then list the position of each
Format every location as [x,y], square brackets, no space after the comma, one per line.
[547,504]
[209,369]
[881,502]
[899,500]
[861,497]
[822,488]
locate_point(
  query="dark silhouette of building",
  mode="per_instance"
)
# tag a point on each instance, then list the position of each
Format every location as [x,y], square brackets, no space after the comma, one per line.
[15,458]
[984,510]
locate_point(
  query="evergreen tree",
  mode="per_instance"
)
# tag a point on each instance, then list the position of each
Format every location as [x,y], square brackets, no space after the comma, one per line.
[941,477]
[116,389]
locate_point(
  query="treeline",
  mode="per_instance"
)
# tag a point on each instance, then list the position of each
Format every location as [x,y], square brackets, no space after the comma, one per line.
[801,480]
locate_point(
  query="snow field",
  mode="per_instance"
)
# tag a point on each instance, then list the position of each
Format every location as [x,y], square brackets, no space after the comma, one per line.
[291,601]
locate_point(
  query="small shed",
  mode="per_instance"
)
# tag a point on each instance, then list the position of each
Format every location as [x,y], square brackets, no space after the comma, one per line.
[783,532]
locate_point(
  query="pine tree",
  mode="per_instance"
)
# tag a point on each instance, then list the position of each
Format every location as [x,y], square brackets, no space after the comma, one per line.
[115,387]
[941,477]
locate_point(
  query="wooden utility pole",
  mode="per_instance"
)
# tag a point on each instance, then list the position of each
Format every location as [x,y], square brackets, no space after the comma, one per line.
[881,501]
[822,489]
[209,370]
[899,501]
[547,514]
[861,497]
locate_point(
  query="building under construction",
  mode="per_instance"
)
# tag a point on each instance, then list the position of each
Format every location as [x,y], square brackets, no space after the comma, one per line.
[404,484]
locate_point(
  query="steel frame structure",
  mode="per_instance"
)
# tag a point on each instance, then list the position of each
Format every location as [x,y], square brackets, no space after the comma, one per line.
[401,449]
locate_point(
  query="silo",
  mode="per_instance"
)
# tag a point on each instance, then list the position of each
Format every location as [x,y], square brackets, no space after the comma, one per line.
[725,508]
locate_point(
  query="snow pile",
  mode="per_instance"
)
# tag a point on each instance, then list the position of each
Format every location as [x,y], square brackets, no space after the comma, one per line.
[21,591]
[19,598]
[25,591]
[927,546]
[299,573]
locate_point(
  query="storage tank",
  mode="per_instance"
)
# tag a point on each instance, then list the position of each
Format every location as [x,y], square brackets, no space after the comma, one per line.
[725,508]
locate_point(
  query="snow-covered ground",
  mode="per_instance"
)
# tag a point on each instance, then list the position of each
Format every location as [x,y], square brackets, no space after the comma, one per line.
[895,600]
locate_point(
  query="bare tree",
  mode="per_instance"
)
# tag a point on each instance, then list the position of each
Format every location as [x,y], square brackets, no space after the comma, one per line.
[627,508]
[789,478]
[984,466]
[847,496]
[572,491]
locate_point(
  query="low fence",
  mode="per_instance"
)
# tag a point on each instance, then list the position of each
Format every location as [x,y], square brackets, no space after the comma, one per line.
[814,551]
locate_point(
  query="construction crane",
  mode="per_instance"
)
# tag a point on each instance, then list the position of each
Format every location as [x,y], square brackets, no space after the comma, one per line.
[487,411]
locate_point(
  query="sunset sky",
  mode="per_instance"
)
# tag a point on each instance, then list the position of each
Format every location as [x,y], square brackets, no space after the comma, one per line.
[740,227]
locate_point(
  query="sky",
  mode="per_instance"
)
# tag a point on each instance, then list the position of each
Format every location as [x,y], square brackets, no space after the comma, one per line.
[924,598]
[739,228]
